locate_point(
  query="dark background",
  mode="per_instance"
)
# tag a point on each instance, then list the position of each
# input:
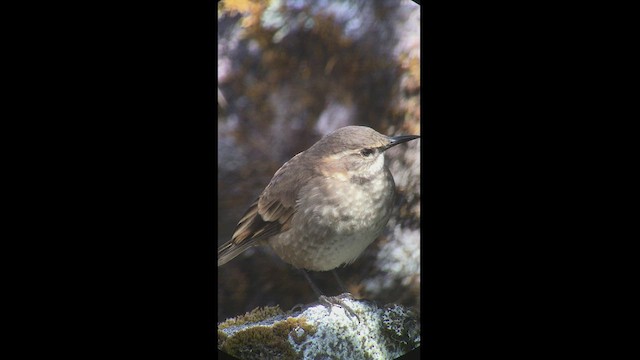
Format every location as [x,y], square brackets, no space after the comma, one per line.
[122,123]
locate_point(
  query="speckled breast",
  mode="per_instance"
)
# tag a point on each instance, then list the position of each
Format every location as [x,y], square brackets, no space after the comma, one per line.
[335,221]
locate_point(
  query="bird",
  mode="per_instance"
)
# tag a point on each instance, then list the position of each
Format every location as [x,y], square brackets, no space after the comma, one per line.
[325,205]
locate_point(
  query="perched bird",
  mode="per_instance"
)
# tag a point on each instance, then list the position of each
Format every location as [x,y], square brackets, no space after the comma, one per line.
[323,207]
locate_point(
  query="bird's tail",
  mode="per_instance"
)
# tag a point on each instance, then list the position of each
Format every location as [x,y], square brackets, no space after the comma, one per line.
[244,236]
[230,250]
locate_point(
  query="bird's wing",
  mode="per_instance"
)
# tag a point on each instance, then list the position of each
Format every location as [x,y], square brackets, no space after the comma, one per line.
[269,215]
[250,230]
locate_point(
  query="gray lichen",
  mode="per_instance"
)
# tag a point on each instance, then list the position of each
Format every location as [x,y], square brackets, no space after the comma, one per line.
[317,332]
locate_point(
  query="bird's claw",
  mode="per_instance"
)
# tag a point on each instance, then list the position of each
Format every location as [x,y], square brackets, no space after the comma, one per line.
[329,301]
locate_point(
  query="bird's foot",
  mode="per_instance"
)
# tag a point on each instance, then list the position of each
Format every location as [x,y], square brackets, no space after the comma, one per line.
[330,301]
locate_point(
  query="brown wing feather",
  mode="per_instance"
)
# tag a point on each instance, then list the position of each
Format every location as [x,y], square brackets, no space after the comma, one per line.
[248,233]
[269,215]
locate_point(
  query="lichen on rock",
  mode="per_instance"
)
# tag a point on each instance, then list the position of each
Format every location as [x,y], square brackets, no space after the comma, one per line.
[320,332]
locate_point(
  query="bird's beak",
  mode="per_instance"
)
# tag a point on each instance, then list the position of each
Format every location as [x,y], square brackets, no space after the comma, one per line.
[395,140]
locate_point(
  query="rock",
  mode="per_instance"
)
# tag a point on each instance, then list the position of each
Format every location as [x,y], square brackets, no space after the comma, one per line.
[318,331]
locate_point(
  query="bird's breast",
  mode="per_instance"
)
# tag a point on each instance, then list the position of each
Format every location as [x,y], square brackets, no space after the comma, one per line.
[335,220]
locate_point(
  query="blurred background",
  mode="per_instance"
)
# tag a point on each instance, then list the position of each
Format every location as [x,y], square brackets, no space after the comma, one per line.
[290,72]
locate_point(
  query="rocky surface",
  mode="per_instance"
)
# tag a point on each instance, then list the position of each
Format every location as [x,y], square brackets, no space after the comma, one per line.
[322,332]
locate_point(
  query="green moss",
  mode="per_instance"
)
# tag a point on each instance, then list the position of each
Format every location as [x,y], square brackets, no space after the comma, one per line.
[261,342]
[285,327]
[255,315]
[222,337]
[258,342]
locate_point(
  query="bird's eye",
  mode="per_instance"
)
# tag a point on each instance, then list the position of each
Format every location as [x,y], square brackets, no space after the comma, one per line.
[367,152]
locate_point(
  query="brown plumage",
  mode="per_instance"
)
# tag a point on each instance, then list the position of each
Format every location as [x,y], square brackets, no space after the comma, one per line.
[269,215]
[306,213]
